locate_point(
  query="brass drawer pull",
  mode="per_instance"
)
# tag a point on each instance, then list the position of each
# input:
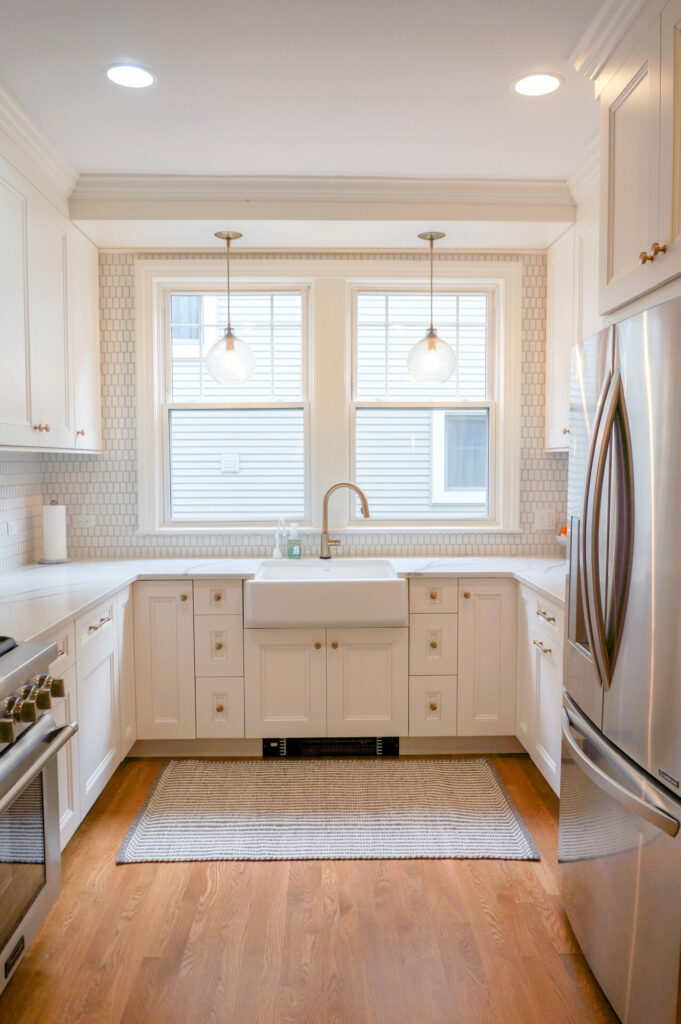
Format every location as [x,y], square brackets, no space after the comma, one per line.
[334,644]
[38,426]
[80,433]
[102,622]
[545,615]
[47,427]
[656,249]
[218,646]
[433,595]
[183,597]
[539,644]
[219,708]
[317,645]
[433,644]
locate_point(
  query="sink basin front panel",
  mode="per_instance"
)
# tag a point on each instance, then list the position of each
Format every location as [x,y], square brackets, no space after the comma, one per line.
[325,602]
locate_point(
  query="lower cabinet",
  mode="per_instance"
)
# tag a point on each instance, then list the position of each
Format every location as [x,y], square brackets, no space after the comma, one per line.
[367,682]
[98,719]
[317,682]
[164,660]
[285,682]
[487,657]
[540,683]
[65,710]
[126,669]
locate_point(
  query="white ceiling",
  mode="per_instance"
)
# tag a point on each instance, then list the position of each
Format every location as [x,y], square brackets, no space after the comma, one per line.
[394,88]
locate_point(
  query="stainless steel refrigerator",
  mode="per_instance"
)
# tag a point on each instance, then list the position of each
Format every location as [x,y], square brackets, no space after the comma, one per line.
[620,809]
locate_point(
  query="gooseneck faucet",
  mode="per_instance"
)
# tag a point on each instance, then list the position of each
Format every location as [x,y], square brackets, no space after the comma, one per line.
[326,543]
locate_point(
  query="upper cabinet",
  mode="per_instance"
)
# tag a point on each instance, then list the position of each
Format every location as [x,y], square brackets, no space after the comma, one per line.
[641,166]
[49,322]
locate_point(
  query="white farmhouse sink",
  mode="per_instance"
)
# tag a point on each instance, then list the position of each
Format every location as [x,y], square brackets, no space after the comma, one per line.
[316,592]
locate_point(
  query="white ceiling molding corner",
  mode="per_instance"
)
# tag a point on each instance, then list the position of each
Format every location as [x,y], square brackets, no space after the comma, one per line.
[604,34]
[176,197]
[41,162]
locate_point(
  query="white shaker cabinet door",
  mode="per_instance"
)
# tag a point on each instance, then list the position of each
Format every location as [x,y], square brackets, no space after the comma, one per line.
[65,710]
[548,672]
[487,654]
[126,669]
[164,660]
[83,313]
[526,682]
[51,398]
[99,735]
[285,682]
[367,688]
[16,425]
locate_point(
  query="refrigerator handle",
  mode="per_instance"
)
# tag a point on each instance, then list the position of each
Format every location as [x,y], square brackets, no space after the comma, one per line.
[622,528]
[589,566]
[637,805]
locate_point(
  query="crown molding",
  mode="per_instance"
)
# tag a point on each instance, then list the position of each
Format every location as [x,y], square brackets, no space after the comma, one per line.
[155,197]
[43,157]
[604,34]
[583,182]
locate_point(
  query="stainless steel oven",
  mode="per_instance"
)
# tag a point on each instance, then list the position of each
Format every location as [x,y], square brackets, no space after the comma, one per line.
[30,865]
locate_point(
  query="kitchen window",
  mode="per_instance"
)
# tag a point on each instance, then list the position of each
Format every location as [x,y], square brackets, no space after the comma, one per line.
[424,453]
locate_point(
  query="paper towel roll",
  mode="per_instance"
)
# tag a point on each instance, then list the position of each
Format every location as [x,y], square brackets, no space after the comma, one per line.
[54,533]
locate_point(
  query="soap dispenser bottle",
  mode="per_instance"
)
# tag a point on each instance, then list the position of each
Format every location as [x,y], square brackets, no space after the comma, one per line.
[295,547]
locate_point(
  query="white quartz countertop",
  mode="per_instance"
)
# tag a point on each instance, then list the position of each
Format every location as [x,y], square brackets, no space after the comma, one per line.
[37,599]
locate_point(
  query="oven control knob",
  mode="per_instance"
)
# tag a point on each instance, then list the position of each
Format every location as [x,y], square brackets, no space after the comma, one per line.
[7,734]
[57,687]
[49,685]
[25,709]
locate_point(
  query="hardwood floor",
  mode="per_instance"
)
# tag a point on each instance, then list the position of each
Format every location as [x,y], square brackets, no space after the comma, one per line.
[305,942]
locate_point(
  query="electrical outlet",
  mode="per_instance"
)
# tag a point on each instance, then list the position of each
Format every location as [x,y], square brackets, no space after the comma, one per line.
[544,520]
[84,522]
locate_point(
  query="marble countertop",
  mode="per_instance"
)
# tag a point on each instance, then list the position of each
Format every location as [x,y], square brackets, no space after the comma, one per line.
[37,599]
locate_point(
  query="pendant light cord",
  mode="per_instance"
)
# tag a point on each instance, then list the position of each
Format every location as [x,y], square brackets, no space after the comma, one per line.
[229,312]
[431,284]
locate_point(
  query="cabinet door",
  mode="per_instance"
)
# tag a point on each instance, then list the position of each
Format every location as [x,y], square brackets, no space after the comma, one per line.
[51,399]
[83,320]
[560,266]
[487,651]
[548,672]
[65,710]
[367,684]
[669,229]
[16,426]
[98,722]
[126,669]
[285,682]
[526,681]
[164,660]
[630,161]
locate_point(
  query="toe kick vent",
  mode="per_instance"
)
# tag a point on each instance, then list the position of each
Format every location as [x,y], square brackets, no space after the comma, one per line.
[327,746]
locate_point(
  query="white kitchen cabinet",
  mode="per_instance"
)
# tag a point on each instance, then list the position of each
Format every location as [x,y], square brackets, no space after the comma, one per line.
[526,683]
[65,710]
[164,660]
[285,682]
[487,656]
[560,337]
[16,425]
[432,705]
[98,719]
[218,642]
[367,686]
[126,668]
[219,707]
[433,644]
[50,366]
[83,325]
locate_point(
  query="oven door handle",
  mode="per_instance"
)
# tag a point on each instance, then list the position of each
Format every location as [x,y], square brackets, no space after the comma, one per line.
[54,739]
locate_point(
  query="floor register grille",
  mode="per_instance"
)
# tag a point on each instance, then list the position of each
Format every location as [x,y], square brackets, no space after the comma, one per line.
[330,746]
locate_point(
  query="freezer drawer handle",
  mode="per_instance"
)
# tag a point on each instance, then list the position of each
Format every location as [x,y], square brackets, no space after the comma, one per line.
[655,815]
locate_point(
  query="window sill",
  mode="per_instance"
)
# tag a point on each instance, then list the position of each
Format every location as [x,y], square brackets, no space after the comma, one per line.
[353,530]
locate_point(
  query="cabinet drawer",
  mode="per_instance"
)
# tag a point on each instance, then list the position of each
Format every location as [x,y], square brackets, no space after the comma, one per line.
[218,645]
[96,624]
[65,639]
[219,707]
[433,645]
[435,596]
[432,705]
[214,596]
[546,617]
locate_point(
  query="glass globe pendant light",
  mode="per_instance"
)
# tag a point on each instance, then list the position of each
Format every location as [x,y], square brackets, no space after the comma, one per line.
[230,360]
[431,360]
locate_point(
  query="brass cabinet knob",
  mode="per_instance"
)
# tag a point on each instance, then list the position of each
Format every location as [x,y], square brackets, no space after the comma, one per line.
[80,433]
[317,645]
[183,597]
[219,707]
[47,427]
[566,430]
[38,426]
[466,594]
[217,596]
[432,706]
[433,595]
[433,643]
[335,645]
[218,646]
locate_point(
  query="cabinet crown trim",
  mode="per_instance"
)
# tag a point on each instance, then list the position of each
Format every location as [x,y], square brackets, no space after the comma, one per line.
[604,34]
[34,144]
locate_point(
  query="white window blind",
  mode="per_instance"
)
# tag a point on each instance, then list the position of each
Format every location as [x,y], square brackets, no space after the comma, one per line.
[423,452]
[236,453]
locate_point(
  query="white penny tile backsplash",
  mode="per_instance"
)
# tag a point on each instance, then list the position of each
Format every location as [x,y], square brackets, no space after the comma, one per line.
[105,486]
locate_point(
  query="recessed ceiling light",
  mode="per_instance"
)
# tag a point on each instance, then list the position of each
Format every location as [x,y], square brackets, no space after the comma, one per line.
[537,85]
[132,76]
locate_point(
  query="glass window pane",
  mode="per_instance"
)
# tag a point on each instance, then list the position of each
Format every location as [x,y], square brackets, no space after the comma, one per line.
[270,322]
[389,323]
[404,456]
[237,464]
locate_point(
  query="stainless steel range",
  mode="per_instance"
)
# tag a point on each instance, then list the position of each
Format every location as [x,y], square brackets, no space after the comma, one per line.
[30,865]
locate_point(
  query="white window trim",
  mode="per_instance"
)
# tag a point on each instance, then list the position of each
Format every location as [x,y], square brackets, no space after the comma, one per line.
[329,283]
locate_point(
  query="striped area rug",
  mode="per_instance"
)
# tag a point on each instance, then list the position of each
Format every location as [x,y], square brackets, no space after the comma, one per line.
[327,809]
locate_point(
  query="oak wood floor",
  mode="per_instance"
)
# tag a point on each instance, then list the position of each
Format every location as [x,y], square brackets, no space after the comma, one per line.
[328,942]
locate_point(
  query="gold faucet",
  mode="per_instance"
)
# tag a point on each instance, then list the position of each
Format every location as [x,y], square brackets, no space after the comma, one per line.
[326,543]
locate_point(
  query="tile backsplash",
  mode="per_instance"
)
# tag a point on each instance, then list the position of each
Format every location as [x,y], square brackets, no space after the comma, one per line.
[105,486]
